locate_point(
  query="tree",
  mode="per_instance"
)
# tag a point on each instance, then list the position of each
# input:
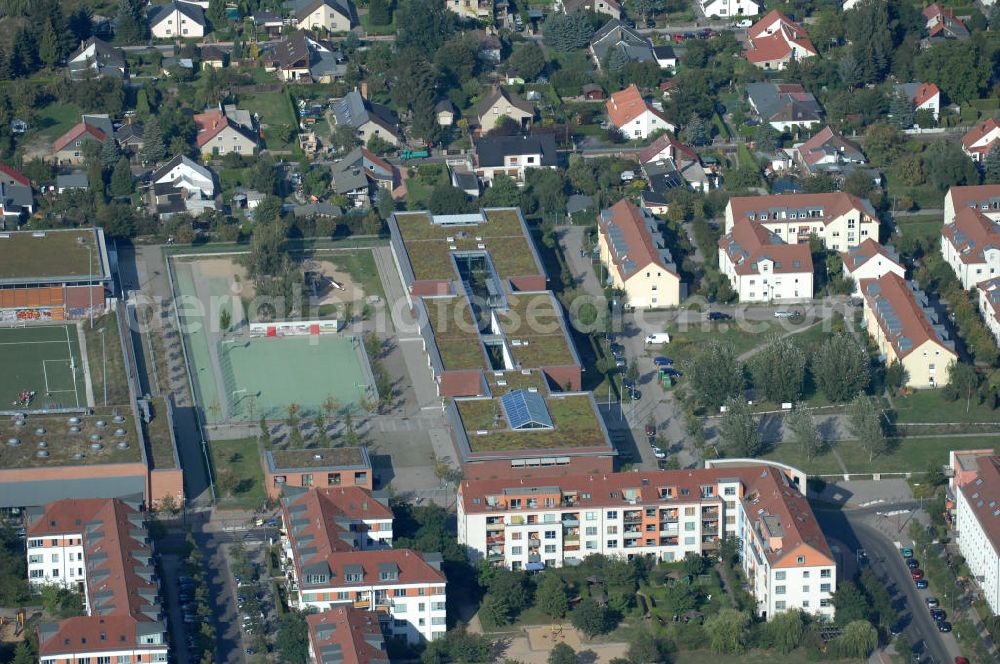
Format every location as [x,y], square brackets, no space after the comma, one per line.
[292,641]
[962,68]
[550,596]
[527,61]
[779,370]
[216,15]
[422,25]
[446,199]
[728,631]
[766,138]
[715,374]
[49,49]
[592,619]
[506,597]
[840,368]
[865,424]
[679,598]
[153,149]
[121,179]
[857,641]
[379,12]
[901,109]
[952,167]
[227,482]
[883,142]
[991,165]
[739,430]
[131,25]
[858,183]
[502,192]
[964,380]
[24,654]
[695,132]
[562,654]
[784,631]
[645,649]
[867,29]
[645,8]
[109,153]
[804,432]
[225,320]
[567,32]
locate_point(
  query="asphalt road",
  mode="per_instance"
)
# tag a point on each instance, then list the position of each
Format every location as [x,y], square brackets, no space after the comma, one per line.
[849,528]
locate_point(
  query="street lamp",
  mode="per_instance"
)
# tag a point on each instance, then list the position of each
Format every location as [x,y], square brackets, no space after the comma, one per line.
[90,276]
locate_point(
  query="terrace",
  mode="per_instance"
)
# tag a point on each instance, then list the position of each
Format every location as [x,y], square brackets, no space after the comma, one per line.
[575,425]
[63,447]
[428,247]
[55,254]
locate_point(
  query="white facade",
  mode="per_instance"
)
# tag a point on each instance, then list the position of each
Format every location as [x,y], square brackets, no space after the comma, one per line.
[176,24]
[325,17]
[838,233]
[191,177]
[56,560]
[873,268]
[514,165]
[724,8]
[971,273]
[989,306]
[978,551]
[765,285]
[644,124]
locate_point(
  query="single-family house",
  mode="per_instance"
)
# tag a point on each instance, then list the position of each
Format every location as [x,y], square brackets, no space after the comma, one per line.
[366,118]
[130,138]
[328,15]
[69,148]
[444,113]
[784,106]
[214,57]
[665,56]
[476,10]
[592,92]
[610,8]
[70,181]
[360,175]
[943,24]
[96,58]
[16,198]
[176,20]
[984,198]
[906,329]
[776,40]
[840,220]
[978,141]
[828,151]
[989,306]
[634,116]
[729,8]
[226,129]
[870,260]
[970,243]
[924,96]
[182,185]
[464,178]
[616,36]
[636,255]
[667,151]
[500,103]
[298,57]
[513,155]
[270,22]
[761,267]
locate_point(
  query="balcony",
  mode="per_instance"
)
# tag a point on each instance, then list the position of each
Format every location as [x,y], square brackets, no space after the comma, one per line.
[494,557]
[534,541]
[362,604]
[570,520]
[570,541]
[534,558]
[495,539]
[668,541]
[637,518]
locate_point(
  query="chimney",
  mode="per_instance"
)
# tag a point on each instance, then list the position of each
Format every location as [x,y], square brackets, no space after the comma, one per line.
[364,90]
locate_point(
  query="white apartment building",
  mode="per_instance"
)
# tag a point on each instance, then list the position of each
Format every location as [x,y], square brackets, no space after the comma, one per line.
[989,306]
[870,260]
[762,268]
[839,219]
[977,524]
[548,522]
[971,246]
[335,547]
[984,198]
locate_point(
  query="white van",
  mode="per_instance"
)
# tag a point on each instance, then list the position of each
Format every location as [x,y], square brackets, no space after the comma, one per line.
[658,338]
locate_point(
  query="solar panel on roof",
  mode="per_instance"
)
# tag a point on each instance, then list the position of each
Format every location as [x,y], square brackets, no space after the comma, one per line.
[526,410]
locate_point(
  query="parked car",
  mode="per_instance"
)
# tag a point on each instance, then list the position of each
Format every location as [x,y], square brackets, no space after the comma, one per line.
[745,23]
[673,373]
[907,553]
[690,35]
[944,626]
[917,574]
[961,660]
[718,315]
[932,602]
[662,361]
[617,349]
[620,362]
[912,563]
[636,394]
[650,431]
[650,23]
[786,313]
[658,338]
[920,584]
[896,629]
[678,37]
[659,454]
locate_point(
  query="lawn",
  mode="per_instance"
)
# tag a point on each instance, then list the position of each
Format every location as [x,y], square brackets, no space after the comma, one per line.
[926,228]
[360,264]
[377,29]
[743,335]
[751,657]
[106,361]
[420,183]
[55,120]
[792,454]
[237,463]
[277,117]
[931,406]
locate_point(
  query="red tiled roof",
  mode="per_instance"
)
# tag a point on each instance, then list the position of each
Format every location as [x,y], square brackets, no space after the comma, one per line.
[412,568]
[857,256]
[749,242]
[832,204]
[355,632]
[812,150]
[14,175]
[971,234]
[76,132]
[626,105]
[641,249]
[983,496]
[82,634]
[764,46]
[925,92]
[326,515]
[913,322]
[676,150]
[211,123]
[977,133]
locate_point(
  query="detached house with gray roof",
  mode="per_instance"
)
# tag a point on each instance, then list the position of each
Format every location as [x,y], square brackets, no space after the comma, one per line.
[616,36]
[96,58]
[366,118]
[177,20]
[784,106]
[328,15]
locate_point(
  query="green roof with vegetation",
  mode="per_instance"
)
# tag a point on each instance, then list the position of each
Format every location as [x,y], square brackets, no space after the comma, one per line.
[502,236]
[575,421]
[328,457]
[65,448]
[59,253]
[534,333]
[455,333]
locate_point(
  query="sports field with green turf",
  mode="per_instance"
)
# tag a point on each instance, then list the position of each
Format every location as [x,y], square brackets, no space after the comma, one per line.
[44,360]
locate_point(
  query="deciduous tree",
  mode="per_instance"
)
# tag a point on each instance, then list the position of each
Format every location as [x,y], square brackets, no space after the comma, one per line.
[592,619]
[715,374]
[804,432]
[567,32]
[865,423]
[779,369]
[857,641]
[728,631]
[739,430]
[551,597]
[562,653]
[840,368]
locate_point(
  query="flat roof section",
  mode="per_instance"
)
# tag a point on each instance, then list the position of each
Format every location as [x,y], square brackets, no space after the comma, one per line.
[52,255]
[63,447]
[455,333]
[575,425]
[535,333]
[330,457]
[501,235]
